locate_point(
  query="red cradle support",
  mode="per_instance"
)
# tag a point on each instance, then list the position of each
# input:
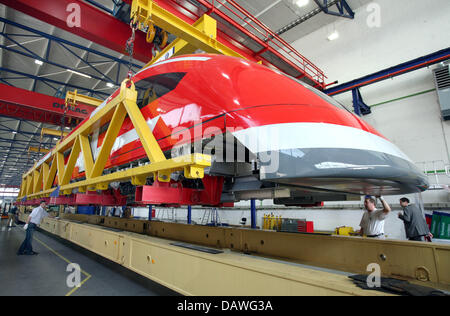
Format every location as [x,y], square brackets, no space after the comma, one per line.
[34,202]
[104,198]
[175,194]
[62,200]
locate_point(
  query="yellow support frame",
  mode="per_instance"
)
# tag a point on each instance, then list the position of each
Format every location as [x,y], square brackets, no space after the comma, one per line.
[38,181]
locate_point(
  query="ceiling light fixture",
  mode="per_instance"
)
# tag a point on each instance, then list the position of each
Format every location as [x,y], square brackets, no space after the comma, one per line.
[301,3]
[78,73]
[38,62]
[109,84]
[333,36]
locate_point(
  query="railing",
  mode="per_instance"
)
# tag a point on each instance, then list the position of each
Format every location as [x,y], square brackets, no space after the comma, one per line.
[435,170]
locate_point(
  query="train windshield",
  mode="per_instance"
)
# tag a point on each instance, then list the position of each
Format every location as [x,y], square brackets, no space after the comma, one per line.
[154,87]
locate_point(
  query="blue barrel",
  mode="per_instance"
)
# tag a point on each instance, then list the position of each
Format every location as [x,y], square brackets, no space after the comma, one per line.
[87,210]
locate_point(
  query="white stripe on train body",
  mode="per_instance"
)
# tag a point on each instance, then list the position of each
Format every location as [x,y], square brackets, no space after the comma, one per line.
[313,135]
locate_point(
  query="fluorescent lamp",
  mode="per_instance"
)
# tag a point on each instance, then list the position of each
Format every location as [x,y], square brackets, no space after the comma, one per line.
[333,36]
[301,3]
[109,84]
[78,73]
[38,62]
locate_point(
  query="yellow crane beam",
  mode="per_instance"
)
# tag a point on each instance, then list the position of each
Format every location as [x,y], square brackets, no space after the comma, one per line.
[73,98]
[40,150]
[202,35]
[52,132]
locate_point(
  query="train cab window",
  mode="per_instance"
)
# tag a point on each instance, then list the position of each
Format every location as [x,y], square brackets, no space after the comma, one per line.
[152,88]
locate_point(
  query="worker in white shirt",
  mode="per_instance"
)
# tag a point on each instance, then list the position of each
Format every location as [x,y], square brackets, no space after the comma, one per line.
[372,222]
[33,221]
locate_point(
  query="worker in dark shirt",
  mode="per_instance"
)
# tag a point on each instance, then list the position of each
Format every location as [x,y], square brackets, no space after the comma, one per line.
[12,216]
[415,225]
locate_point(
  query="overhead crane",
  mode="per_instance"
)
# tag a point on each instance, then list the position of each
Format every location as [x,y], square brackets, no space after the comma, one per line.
[143,246]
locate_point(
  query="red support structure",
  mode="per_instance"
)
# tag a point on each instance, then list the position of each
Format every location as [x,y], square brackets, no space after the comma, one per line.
[61,200]
[34,202]
[28,105]
[105,198]
[174,194]
[96,25]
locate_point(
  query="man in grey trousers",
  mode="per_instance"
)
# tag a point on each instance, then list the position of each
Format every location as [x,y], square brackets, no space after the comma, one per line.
[415,225]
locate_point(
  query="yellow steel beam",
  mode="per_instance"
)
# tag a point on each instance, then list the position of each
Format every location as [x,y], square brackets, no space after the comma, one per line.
[169,166]
[60,166]
[30,184]
[68,169]
[35,149]
[44,193]
[45,172]
[108,142]
[181,47]
[104,115]
[22,187]
[37,181]
[73,98]
[48,181]
[87,155]
[53,132]
[146,11]
[149,142]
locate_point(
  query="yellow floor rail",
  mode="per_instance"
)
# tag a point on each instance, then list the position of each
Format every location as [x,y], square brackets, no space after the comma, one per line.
[183,270]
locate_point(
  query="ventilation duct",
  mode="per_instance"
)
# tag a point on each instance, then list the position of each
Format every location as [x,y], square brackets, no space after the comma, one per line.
[442,80]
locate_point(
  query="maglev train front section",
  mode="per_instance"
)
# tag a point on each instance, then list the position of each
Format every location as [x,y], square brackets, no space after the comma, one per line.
[270,135]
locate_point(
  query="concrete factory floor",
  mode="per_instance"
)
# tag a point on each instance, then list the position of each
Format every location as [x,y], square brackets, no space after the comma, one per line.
[47,273]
